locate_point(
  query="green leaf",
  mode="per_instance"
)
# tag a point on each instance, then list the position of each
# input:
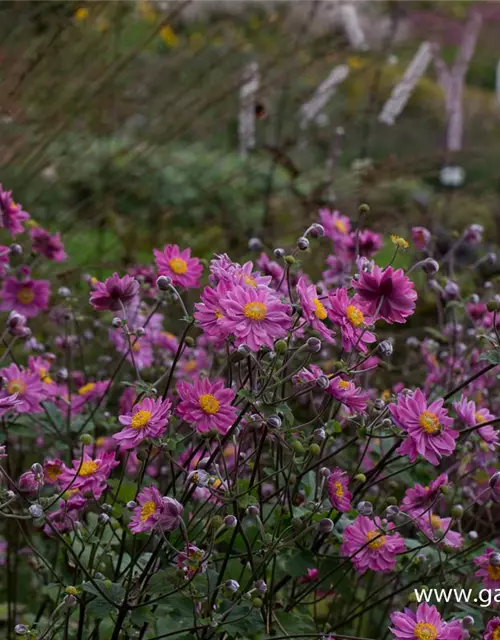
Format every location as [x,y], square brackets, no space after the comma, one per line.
[100,608]
[493,356]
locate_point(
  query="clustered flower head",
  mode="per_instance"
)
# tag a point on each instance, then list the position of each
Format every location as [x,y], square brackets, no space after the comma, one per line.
[244,444]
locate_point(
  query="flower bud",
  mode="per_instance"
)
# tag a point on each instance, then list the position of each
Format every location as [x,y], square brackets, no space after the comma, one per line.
[430,266]
[386,348]
[319,434]
[116,323]
[494,559]
[314,449]
[316,230]
[314,345]
[257,603]
[253,511]
[360,477]
[473,535]
[36,511]
[230,522]
[323,382]
[279,253]
[231,585]
[457,511]
[303,243]
[280,346]
[103,518]
[392,512]
[20,629]
[86,439]
[255,244]
[163,283]
[37,469]
[326,525]
[365,508]
[131,504]
[468,622]
[492,305]
[260,586]
[15,249]
[70,601]
[379,404]
[290,259]
[298,447]
[244,350]
[274,421]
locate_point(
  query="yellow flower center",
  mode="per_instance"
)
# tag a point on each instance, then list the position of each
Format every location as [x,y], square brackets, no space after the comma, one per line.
[429,422]
[255,310]
[209,403]
[88,468]
[479,418]
[436,522]
[250,281]
[354,315]
[87,388]
[53,472]
[340,225]
[496,634]
[319,310]
[343,384]
[219,314]
[148,508]
[178,266]
[136,346]
[425,631]
[25,295]
[42,372]
[16,385]
[378,540]
[494,574]
[339,489]
[140,419]
[190,365]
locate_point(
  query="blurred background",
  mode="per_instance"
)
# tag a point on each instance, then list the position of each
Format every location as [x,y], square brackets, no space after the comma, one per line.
[126,125]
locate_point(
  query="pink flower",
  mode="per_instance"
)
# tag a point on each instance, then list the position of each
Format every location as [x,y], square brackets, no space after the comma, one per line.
[386,294]
[12,215]
[367,242]
[206,405]
[492,631]
[255,317]
[337,271]
[64,518]
[427,427]
[88,394]
[28,297]
[313,309]
[179,266]
[115,293]
[149,419]
[191,561]
[336,226]
[421,237]
[155,511]
[271,268]
[419,498]
[208,312]
[48,245]
[52,469]
[307,375]
[89,475]
[438,529]
[472,416]
[338,490]
[346,392]
[312,575]
[139,350]
[490,573]
[370,546]
[25,385]
[30,482]
[4,259]
[7,403]
[349,317]
[425,624]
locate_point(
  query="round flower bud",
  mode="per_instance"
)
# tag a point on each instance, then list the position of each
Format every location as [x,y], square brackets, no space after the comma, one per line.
[255,244]
[257,603]
[379,404]
[365,508]
[15,249]
[494,559]
[231,585]
[430,266]
[274,421]
[64,292]
[36,511]
[386,348]
[86,439]
[392,512]
[457,511]
[260,586]
[492,305]
[303,243]
[324,472]
[473,535]
[314,345]
[316,230]
[468,622]
[230,522]
[244,350]
[37,468]
[279,253]
[71,590]
[280,346]
[253,510]
[70,601]
[20,629]
[298,447]
[140,332]
[163,283]
[492,257]
[360,477]
[10,495]
[131,504]
[103,518]
[326,525]
[323,382]
[107,508]
[314,449]
[116,323]
[319,434]
[290,259]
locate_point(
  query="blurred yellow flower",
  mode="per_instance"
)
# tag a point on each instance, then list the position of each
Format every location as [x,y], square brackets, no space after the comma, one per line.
[102,24]
[81,14]
[168,36]
[399,242]
[147,11]
[355,62]
[32,223]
